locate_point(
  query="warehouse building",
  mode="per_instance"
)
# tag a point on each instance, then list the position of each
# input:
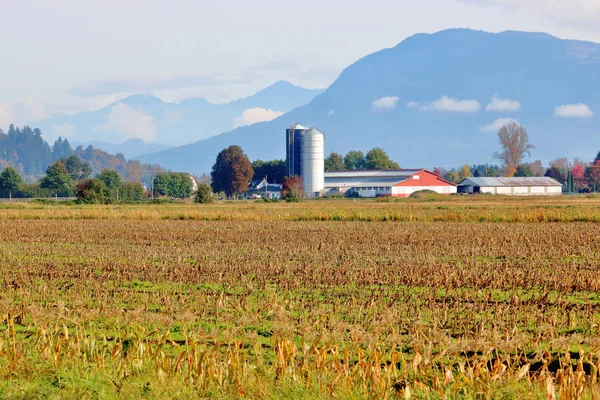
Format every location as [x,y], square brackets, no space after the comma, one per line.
[401,183]
[525,186]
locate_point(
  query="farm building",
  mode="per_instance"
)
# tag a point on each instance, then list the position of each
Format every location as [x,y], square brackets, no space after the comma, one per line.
[264,190]
[401,183]
[525,186]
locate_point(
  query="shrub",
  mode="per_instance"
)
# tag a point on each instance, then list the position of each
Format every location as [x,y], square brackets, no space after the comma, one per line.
[292,189]
[204,194]
[93,191]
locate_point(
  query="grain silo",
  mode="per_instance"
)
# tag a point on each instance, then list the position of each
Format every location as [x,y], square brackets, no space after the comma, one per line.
[293,146]
[313,162]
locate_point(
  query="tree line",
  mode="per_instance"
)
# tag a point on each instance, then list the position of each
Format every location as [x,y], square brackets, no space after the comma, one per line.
[515,147]
[71,177]
[29,154]
[375,159]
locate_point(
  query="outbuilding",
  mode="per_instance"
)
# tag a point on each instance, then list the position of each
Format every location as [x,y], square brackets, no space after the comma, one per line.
[521,186]
[377,183]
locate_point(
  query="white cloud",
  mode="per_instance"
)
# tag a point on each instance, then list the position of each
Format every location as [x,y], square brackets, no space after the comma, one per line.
[498,104]
[497,124]
[578,110]
[571,12]
[331,112]
[130,123]
[6,115]
[63,130]
[449,104]
[385,103]
[253,115]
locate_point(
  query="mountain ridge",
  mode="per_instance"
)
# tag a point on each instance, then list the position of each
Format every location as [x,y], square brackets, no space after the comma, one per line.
[148,117]
[440,88]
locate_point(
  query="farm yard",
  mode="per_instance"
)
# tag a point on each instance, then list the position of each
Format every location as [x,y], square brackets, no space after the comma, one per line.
[418,298]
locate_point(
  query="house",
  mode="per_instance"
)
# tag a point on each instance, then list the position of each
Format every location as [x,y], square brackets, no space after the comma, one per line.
[400,183]
[264,190]
[522,186]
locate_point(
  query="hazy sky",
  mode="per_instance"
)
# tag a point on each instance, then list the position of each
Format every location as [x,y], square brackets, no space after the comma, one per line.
[66,56]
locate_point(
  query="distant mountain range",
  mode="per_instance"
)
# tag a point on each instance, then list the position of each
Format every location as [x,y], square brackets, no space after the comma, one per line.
[149,118]
[438,100]
[131,148]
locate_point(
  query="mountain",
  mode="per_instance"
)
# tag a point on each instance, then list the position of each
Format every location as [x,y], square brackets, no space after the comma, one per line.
[155,121]
[438,100]
[131,148]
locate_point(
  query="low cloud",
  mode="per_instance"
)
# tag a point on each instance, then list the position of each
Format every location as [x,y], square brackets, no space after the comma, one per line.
[144,84]
[254,115]
[63,130]
[578,110]
[505,105]
[385,103]
[497,124]
[448,104]
[130,123]
[6,115]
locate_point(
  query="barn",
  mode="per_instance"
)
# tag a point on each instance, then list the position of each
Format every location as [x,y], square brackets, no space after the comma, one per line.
[400,183]
[522,186]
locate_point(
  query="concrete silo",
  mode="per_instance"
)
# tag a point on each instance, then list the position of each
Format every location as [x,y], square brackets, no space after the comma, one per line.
[313,162]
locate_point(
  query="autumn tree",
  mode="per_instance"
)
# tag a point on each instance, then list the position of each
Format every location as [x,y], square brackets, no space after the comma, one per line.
[292,189]
[335,162]
[556,174]
[452,176]
[514,146]
[377,158]
[9,182]
[593,175]
[465,172]
[232,171]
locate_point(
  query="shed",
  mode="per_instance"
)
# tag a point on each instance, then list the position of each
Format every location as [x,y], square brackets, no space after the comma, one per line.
[517,186]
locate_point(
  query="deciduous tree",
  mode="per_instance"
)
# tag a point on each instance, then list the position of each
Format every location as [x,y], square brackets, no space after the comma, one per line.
[514,146]
[465,172]
[232,171]
[377,158]
[354,160]
[335,162]
[292,189]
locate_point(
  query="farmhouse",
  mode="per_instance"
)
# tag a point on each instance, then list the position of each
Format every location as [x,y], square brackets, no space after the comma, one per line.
[525,186]
[264,190]
[401,183]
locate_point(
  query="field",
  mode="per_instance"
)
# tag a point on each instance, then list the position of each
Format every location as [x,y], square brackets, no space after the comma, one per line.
[428,298]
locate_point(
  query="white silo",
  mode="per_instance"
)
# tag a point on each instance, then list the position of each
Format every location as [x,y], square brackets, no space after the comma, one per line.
[313,162]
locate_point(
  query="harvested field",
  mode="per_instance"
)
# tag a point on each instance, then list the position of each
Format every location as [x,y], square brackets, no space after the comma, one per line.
[457,298]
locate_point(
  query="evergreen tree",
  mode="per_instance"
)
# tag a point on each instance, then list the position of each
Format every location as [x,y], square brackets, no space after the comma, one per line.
[58,180]
[9,182]
[77,168]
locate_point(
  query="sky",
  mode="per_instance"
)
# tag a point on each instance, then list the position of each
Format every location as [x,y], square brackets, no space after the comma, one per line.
[69,56]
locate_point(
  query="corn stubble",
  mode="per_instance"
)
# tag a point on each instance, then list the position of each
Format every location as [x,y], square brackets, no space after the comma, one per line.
[167,308]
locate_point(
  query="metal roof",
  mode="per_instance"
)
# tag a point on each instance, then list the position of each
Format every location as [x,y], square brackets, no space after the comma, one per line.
[401,174]
[509,182]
